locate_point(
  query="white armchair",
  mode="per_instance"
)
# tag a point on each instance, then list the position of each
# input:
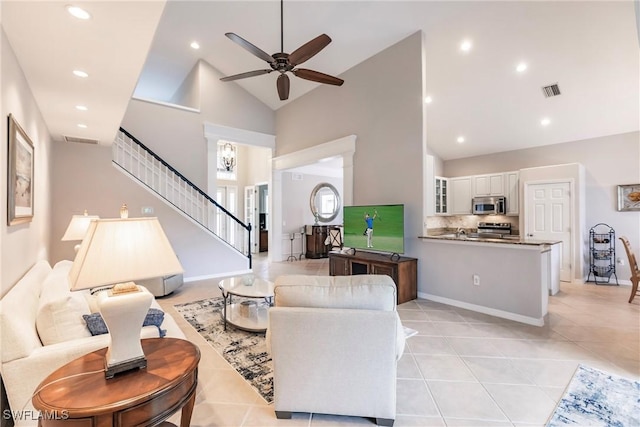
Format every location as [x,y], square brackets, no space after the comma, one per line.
[335,342]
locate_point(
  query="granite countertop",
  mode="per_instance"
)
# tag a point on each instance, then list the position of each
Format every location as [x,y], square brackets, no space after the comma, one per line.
[511,240]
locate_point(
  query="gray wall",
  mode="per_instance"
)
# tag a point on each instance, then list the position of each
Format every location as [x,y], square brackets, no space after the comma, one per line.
[176,135]
[91,182]
[382,105]
[23,244]
[608,161]
[296,211]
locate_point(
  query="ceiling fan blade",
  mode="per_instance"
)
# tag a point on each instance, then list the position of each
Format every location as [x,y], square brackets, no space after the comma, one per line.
[250,47]
[283,87]
[309,49]
[317,76]
[245,75]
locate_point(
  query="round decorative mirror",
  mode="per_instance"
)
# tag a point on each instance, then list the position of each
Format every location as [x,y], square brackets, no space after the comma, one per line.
[325,202]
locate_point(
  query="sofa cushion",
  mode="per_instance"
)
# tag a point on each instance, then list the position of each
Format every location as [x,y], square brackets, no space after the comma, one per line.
[18,312]
[370,291]
[96,325]
[60,311]
[61,319]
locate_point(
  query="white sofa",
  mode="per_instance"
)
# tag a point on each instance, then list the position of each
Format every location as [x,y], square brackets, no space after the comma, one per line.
[335,343]
[41,329]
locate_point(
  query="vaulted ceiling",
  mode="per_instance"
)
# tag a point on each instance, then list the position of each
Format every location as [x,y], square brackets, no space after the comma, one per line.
[590,49]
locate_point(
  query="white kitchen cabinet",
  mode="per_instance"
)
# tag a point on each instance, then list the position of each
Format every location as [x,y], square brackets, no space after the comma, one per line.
[512,192]
[488,185]
[442,191]
[460,195]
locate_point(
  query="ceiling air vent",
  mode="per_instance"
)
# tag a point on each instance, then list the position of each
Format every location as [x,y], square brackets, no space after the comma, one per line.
[551,90]
[80,140]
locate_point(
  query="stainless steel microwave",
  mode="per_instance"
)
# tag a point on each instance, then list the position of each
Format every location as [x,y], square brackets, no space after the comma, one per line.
[489,205]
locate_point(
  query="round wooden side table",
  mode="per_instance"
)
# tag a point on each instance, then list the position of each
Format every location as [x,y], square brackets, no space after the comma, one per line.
[78,393]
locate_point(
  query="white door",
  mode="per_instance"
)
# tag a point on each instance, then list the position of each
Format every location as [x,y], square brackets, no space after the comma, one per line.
[250,215]
[548,217]
[226,196]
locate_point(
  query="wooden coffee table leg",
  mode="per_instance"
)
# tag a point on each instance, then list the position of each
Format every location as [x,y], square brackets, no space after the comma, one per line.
[187,410]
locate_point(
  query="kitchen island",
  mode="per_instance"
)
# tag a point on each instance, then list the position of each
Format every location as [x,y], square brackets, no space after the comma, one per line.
[504,277]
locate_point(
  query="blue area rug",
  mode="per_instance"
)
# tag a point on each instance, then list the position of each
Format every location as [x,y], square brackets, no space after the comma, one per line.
[596,398]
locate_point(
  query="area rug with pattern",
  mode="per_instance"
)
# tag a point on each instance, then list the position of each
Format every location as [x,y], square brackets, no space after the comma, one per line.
[245,351]
[597,398]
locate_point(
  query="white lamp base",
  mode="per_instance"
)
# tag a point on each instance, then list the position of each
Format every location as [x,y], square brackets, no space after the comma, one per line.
[124,314]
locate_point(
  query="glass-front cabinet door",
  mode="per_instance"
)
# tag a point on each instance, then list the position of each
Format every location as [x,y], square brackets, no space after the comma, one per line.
[441,195]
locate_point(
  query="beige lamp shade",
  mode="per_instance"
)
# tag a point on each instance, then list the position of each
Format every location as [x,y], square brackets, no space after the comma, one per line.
[78,226]
[121,250]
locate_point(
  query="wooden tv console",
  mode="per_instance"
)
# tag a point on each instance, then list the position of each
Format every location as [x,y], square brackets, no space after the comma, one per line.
[403,270]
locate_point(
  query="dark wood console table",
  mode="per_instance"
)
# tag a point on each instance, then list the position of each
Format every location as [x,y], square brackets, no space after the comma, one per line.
[403,270]
[315,242]
[78,395]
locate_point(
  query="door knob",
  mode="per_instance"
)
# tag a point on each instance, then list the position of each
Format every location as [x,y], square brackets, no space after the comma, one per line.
[529,235]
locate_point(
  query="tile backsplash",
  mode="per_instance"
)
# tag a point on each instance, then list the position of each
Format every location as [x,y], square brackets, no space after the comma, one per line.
[470,221]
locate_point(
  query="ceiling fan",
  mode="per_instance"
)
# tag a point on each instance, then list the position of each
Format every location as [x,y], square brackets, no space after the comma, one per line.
[285,62]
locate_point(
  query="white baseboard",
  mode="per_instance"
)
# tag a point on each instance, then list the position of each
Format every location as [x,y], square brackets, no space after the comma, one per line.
[216,276]
[486,310]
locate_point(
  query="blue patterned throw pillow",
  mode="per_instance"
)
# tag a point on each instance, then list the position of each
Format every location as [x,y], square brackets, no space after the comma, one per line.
[96,324]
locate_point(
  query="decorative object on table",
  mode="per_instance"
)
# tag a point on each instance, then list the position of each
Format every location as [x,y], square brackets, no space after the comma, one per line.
[116,251]
[629,197]
[602,254]
[248,308]
[245,351]
[597,398]
[77,228]
[21,175]
[248,279]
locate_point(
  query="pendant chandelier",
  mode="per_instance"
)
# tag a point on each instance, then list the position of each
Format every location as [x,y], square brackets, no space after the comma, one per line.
[228,158]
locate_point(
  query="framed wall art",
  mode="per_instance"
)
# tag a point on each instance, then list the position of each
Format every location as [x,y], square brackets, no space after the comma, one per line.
[629,197]
[21,172]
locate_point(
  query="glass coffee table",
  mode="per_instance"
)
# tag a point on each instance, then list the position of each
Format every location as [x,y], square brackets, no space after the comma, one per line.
[245,315]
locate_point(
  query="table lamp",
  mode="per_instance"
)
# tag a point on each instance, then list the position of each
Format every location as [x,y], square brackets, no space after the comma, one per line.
[115,252]
[77,228]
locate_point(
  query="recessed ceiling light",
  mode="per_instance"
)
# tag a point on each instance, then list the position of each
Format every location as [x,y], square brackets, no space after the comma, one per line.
[465,46]
[78,12]
[82,126]
[80,73]
[195,45]
[428,100]
[460,139]
[81,107]
[521,67]
[545,121]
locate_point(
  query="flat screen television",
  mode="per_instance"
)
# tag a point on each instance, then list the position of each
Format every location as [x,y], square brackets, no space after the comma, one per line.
[378,228]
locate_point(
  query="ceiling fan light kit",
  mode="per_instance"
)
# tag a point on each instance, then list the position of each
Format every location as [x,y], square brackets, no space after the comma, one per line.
[283,62]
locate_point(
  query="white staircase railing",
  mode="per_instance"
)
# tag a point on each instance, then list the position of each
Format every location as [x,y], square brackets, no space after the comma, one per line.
[146,167]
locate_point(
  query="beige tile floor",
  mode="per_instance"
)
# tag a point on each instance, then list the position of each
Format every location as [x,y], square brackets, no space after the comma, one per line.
[462,369]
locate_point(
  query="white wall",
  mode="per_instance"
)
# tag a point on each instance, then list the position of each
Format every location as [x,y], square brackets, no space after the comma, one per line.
[23,244]
[188,94]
